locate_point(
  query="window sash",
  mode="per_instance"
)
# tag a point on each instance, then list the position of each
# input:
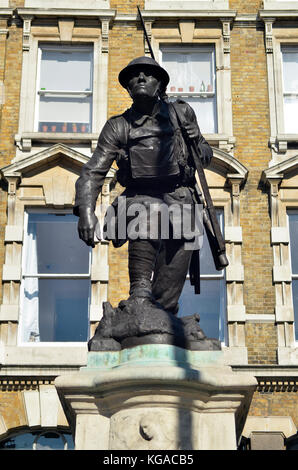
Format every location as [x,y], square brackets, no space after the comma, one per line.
[76,105]
[203,100]
[44,309]
[290,87]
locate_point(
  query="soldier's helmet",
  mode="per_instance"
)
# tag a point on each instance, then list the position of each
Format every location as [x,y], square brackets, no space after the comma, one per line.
[144,63]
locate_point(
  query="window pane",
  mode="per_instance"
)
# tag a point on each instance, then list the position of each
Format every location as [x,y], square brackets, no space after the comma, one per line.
[293,227]
[59,110]
[38,440]
[290,69]
[209,305]
[50,441]
[295,303]
[55,310]
[63,309]
[54,246]
[20,442]
[189,70]
[66,69]
[290,114]
[192,70]
[205,109]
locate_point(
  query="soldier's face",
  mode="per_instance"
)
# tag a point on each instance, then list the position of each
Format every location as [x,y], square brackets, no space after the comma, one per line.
[143,84]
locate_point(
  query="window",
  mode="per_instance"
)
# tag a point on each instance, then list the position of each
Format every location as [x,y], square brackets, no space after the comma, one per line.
[192,78]
[210,304]
[65,83]
[48,440]
[290,88]
[293,228]
[56,282]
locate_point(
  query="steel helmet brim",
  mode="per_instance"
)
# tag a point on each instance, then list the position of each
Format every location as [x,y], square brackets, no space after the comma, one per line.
[143,62]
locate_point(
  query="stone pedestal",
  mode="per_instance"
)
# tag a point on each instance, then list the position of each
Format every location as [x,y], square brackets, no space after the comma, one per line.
[154,397]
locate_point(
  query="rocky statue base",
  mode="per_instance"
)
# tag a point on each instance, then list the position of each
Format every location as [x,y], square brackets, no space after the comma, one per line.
[156,397]
[139,321]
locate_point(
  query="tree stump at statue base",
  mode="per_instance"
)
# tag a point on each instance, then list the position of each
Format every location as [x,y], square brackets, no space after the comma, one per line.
[152,397]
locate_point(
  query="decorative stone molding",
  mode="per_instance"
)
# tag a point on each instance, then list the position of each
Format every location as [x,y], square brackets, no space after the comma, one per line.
[27,19]
[122,396]
[65,26]
[269,424]
[26,141]
[187,29]
[234,176]
[105,34]
[148,27]
[43,407]
[3,427]
[281,198]
[226,33]
[268,34]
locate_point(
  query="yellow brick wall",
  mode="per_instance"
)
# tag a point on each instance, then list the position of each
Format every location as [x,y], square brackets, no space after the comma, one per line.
[12,409]
[10,70]
[278,403]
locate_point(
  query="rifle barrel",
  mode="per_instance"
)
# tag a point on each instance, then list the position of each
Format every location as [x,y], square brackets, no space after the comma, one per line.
[146,35]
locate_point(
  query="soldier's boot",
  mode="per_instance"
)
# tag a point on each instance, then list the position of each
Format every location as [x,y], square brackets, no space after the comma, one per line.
[141,262]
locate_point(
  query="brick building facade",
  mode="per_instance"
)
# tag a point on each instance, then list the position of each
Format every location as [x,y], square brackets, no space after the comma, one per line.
[253,180]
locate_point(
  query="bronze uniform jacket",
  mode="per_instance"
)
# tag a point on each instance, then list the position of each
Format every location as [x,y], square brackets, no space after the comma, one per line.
[112,140]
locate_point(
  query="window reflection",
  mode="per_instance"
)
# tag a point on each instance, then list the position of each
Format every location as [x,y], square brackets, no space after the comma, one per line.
[38,440]
[210,304]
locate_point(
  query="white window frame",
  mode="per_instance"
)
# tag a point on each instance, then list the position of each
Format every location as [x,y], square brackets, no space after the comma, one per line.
[204,5]
[198,94]
[286,93]
[58,47]
[276,37]
[293,275]
[219,39]
[48,276]
[223,294]
[27,137]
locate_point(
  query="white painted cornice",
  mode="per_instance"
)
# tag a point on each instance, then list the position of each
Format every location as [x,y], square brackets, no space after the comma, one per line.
[278,171]
[228,165]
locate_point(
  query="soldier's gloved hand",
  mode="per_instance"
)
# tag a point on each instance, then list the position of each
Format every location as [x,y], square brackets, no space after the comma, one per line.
[191,129]
[86,225]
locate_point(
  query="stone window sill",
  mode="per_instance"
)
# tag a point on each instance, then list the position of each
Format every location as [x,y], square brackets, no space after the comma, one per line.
[281,142]
[25,141]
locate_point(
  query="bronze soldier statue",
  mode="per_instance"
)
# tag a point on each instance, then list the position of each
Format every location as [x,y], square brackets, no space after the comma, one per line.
[151,149]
